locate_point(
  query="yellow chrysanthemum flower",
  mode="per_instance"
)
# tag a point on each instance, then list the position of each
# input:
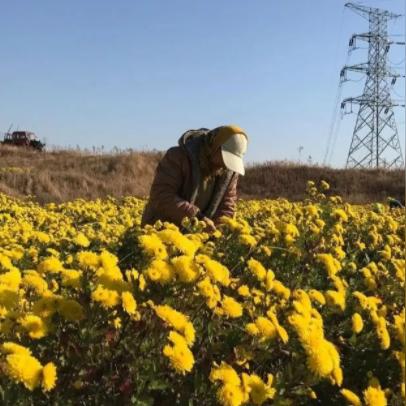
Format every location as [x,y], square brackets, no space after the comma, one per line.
[225,373]
[257,269]
[374,396]
[180,357]
[230,395]
[35,326]
[81,240]
[24,368]
[51,265]
[49,377]
[129,303]
[231,307]
[177,320]
[153,246]
[13,348]
[106,297]
[243,291]
[185,268]
[357,323]
[351,397]
[259,391]
[215,270]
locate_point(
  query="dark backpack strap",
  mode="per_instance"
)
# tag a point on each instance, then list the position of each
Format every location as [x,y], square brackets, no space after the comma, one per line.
[192,141]
[222,183]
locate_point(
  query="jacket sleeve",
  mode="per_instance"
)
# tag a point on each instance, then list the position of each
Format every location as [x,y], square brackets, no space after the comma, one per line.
[164,194]
[228,204]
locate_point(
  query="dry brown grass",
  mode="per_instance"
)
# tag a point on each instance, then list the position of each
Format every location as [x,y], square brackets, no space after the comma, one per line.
[278,179]
[65,175]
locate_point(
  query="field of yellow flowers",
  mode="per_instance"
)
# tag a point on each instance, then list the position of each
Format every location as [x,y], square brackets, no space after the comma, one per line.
[286,304]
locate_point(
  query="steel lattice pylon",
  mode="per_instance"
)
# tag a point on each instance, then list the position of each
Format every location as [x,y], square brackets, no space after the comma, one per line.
[375,141]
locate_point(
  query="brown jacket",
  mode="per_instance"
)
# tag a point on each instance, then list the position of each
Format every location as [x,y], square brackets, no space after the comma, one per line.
[175,185]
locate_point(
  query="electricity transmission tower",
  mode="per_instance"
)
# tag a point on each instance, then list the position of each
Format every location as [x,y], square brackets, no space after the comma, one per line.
[375,141]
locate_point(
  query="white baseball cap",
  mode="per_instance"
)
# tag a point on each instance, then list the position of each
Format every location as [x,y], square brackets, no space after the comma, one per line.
[233,151]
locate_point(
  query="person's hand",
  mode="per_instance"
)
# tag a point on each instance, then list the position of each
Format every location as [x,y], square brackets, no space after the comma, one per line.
[210,227]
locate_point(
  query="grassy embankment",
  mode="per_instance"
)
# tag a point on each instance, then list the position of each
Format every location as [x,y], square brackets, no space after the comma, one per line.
[65,175]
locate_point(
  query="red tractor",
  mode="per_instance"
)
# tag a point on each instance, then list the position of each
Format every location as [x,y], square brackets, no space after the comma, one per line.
[23,139]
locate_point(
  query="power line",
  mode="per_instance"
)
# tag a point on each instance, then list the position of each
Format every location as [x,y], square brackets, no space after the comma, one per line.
[338,93]
[397,63]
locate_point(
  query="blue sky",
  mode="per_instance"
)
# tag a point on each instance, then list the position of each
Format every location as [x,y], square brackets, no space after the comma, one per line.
[138,73]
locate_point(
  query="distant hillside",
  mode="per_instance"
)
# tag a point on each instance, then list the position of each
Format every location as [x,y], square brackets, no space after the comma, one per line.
[66,175]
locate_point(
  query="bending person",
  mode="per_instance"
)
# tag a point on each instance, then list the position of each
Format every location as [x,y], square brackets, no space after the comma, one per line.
[198,178]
